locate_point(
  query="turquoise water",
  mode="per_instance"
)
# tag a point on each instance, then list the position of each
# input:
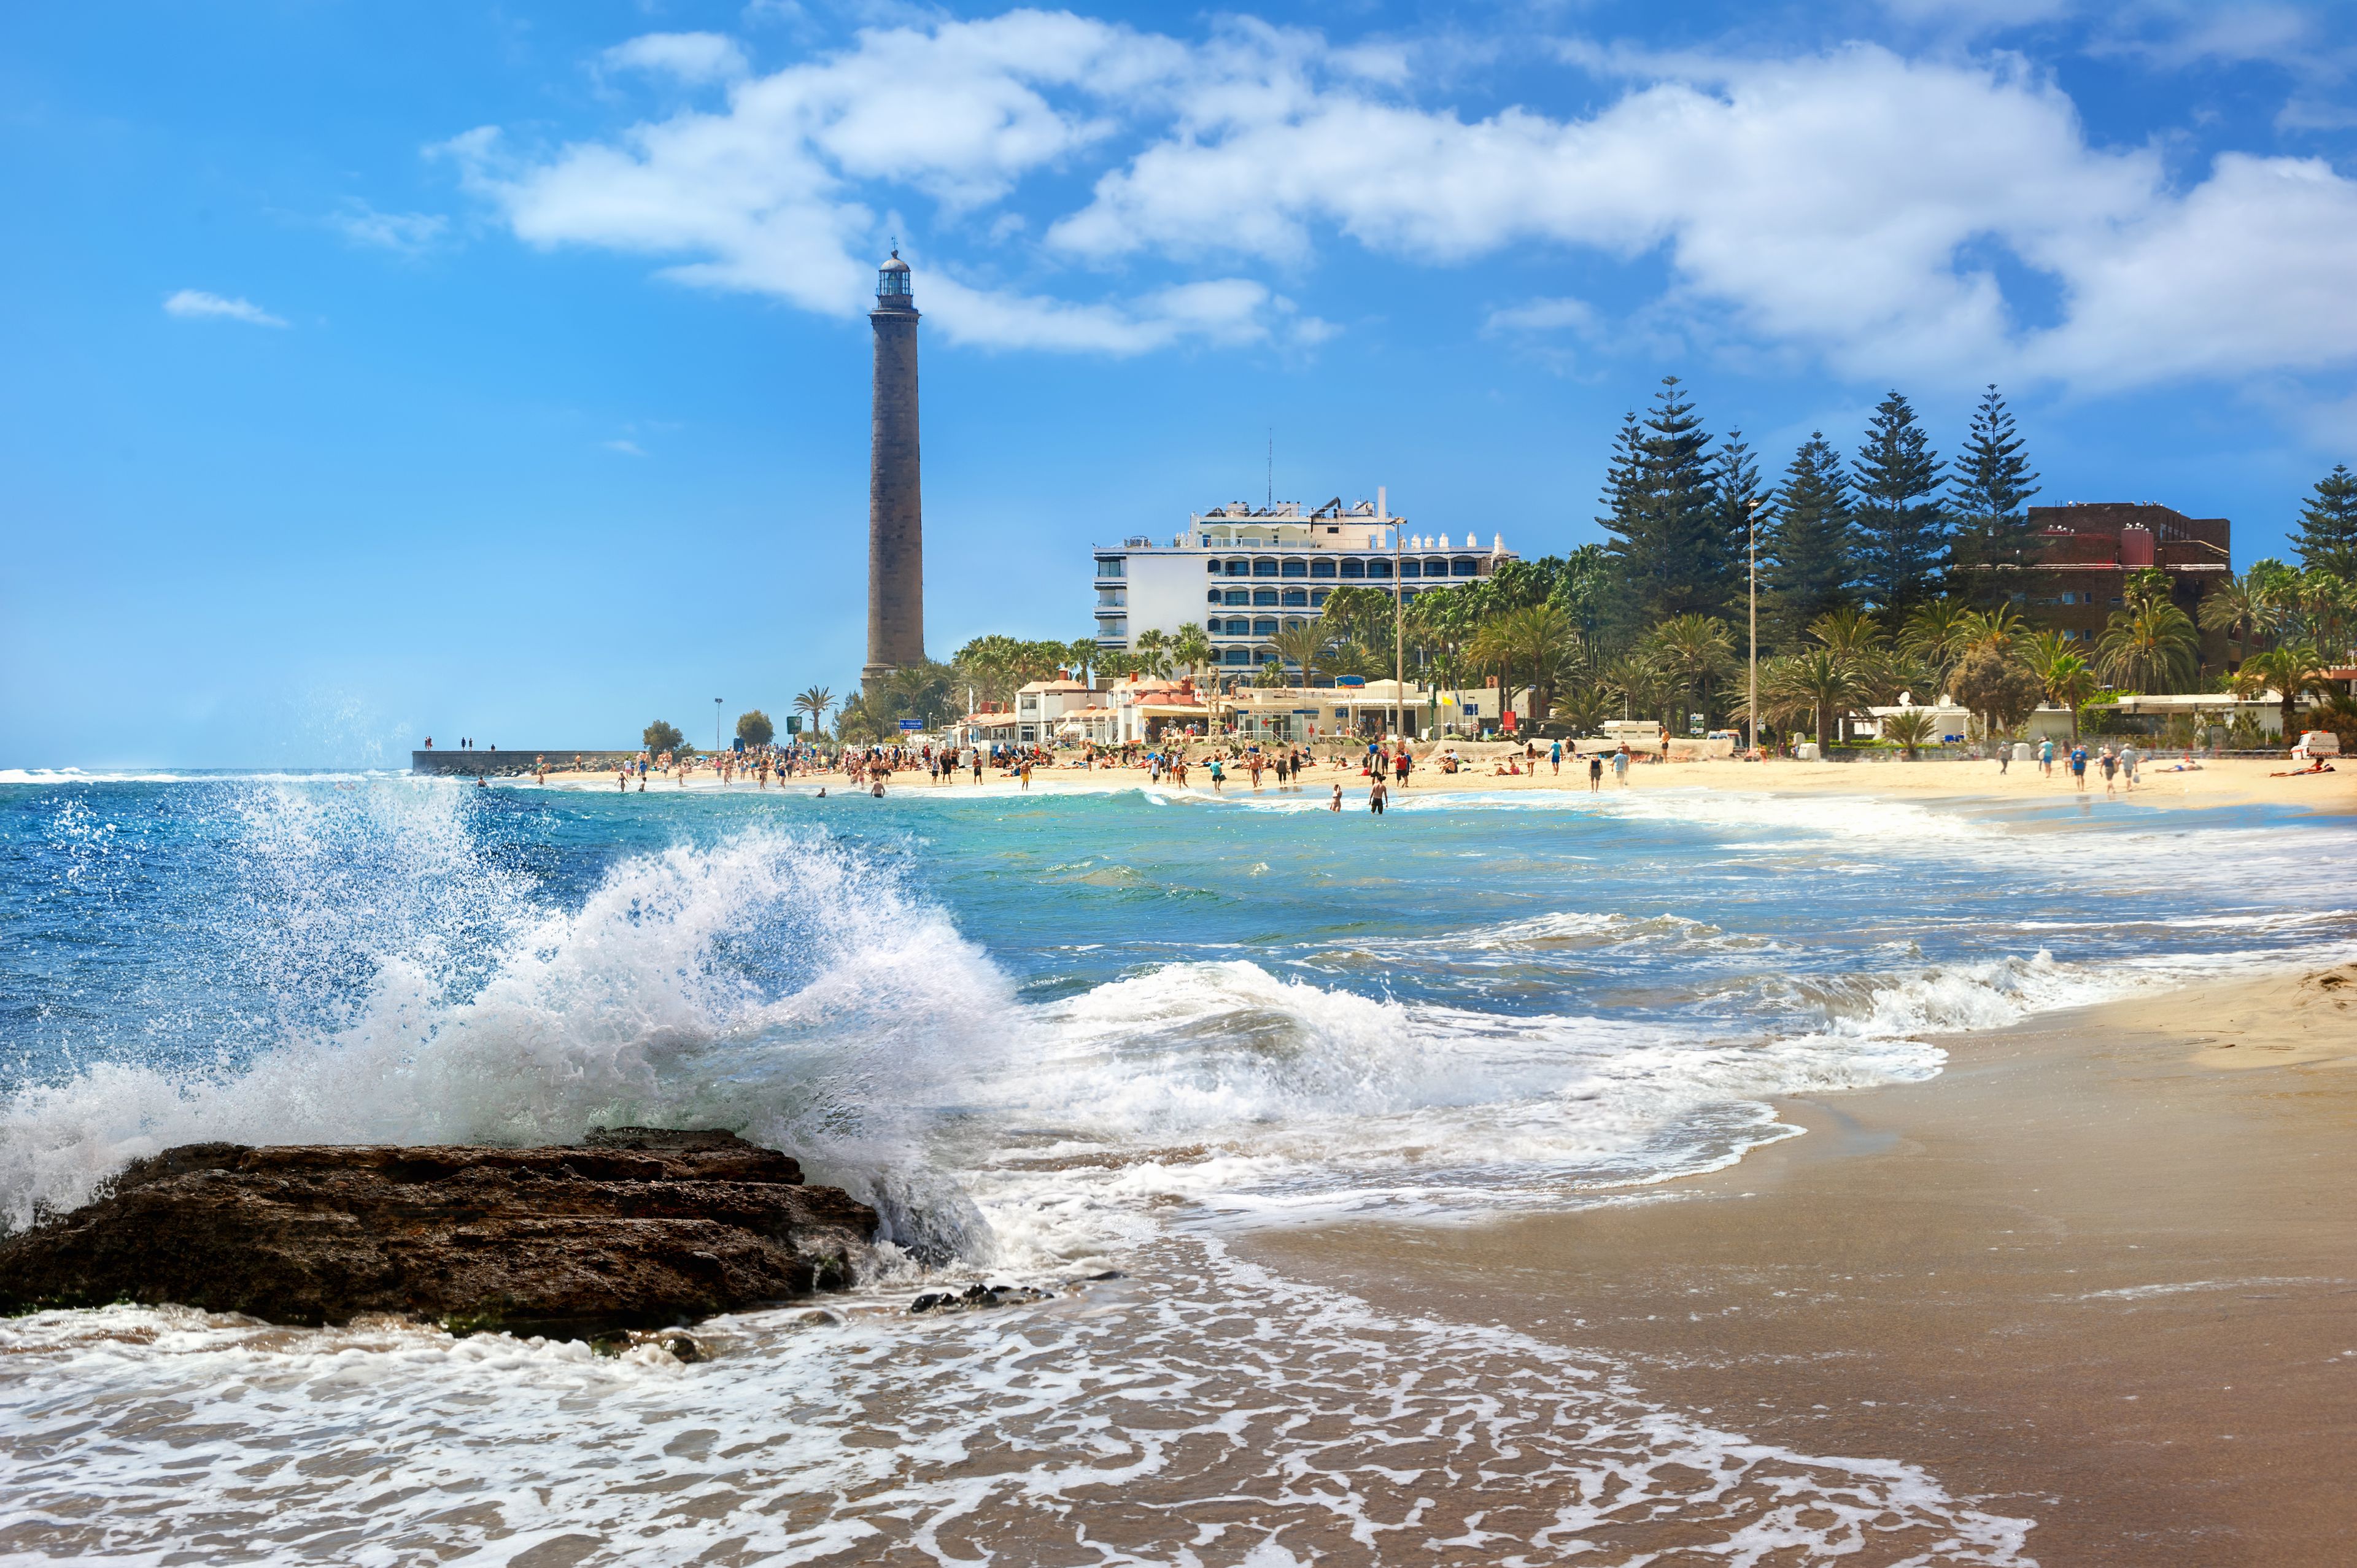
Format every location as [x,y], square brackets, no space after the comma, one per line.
[1049,1037]
[1466,1001]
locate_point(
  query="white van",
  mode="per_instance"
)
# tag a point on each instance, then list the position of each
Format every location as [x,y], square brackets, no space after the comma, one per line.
[2318,742]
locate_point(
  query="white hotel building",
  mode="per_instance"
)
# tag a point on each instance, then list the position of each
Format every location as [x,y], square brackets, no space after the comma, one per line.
[1242,573]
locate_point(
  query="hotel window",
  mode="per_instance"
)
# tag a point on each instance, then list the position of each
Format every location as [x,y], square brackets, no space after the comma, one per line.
[1213,596]
[1322,568]
[1212,567]
[1236,656]
[1239,627]
[1109,568]
[1463,566]
[1354,568]
[1263,595]
[1380,569]
[1263,568]
[1239,568]
[1436,567]
[1318,595]
[1238,596]
[1411,568]
[1297,567]
[1266,627]
[1296,596]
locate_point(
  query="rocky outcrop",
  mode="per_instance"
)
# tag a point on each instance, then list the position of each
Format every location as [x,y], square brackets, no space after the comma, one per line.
[636,1228]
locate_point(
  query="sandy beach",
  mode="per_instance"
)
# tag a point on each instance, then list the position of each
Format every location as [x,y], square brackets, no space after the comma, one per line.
[2230,781]
[2101,1272]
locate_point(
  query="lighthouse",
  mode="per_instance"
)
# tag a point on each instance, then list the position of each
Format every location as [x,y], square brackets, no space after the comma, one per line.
[896,528]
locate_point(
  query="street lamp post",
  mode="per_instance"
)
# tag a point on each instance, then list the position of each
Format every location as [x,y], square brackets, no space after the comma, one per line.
[1399,618]
[716,726]
[1751,716]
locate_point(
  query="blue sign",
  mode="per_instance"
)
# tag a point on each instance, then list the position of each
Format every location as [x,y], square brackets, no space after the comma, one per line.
[912,723]
[1350,679]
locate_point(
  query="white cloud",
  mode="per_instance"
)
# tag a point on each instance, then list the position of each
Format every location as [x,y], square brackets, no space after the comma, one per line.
[1544,314]
[691,58]
[1824,202]
[197,302]
[1830,204]
[626,449]
[1977,15]
[408,233]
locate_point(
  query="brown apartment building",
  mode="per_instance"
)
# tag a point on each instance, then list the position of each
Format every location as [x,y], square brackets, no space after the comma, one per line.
[2087,548]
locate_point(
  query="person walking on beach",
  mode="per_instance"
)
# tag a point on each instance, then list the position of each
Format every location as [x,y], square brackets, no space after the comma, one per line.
[2079,768]
[1621,766]
[1375,795]
[2111,768]
[1025,771]
[1218,777]
[2046,757]
[1554,756]
[1594,771]
[2129,765]
[1338,797]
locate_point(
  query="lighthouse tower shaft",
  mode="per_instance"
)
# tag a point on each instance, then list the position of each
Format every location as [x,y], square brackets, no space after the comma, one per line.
[896,541]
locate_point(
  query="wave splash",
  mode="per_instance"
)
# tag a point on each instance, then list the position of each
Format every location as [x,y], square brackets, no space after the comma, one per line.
[777,983]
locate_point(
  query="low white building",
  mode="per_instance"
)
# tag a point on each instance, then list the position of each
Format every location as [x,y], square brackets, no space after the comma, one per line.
[1243,573]
[1040,706]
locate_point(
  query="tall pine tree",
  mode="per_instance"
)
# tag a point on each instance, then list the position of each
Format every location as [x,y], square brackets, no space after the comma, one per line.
[1808,557]
[1989,494]
[1735,488]
[1668,553]
[1902,528]
[2327,536]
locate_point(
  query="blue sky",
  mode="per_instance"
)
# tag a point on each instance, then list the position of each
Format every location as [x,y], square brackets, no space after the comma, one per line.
[379,372]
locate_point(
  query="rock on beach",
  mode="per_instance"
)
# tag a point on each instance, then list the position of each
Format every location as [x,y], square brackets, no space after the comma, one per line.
[636,1228]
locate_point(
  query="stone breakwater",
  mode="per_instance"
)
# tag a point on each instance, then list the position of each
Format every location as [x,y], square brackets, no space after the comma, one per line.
[503,764]
[636,1228]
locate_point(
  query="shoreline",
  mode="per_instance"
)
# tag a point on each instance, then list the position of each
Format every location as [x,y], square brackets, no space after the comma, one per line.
[2101,1270]
[2230,781]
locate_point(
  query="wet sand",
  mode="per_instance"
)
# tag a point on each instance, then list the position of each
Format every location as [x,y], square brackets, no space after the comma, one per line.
[2101,1272]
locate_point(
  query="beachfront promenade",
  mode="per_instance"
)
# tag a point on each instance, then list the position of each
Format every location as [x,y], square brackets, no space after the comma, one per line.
[2223,781]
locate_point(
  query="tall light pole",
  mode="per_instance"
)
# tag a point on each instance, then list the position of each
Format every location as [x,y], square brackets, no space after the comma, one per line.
[1399,617]
[1751,714]
[716,726]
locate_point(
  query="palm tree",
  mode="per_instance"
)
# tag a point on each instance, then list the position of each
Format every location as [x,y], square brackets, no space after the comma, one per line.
[1910,728]
[1851,634]
[1536,639]
[1690,649]
[2000,630]
[815,701]
[1824,681]
[1151,650]
[2291,671]
[1191,649]
[2067,678]
[2239,607]
[1582,705]
[1934,633]
[2149,647]
[858,720]
[1302,645]
[1637,681]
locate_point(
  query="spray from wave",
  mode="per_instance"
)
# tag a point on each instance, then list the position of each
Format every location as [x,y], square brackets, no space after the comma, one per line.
[420,988]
